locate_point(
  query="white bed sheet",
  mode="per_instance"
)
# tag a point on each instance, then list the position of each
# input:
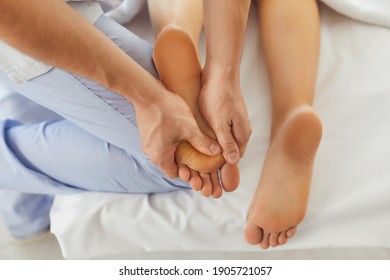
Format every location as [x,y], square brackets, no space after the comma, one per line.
[350,198]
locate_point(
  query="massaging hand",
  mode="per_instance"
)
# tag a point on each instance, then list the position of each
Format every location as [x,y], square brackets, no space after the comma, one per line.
[222,105]
[163,124]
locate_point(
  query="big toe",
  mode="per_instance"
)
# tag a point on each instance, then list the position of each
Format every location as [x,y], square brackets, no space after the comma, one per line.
[230,177]
[253,234]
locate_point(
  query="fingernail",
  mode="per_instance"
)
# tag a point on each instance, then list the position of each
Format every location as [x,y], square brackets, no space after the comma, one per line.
[214,149]
[233,157]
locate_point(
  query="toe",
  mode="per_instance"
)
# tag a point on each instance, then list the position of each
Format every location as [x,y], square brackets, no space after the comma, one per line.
[230,177]
[265,242]
[207,186]
[282,239]
[253,234]
[273,239]
[291,232]
[184,172]
[217,189]
[195,181]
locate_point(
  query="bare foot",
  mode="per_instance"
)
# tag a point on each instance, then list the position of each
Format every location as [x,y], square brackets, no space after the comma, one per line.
[280,201]
[177,62]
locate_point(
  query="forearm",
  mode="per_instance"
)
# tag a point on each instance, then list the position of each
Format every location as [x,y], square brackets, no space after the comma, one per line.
[225,27]
[52,32]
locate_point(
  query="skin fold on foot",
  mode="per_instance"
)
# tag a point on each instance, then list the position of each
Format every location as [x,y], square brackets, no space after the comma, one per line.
[179,68]
[281,198]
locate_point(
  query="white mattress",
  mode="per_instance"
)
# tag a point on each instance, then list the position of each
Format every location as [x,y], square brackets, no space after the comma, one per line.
[350,198]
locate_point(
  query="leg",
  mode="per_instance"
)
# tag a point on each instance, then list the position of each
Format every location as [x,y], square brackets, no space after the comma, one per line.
[90,106]
[185,14]
[59,158]
[177,27]
[26,215]
[42,160]
[290,38]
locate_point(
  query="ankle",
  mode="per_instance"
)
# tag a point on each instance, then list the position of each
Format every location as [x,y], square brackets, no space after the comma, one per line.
[280,116]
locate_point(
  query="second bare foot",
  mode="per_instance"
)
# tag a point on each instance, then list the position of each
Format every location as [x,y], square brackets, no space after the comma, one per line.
[280,201]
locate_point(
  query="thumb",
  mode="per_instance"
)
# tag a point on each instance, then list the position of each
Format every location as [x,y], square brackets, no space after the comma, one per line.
[229,145]
[203,143]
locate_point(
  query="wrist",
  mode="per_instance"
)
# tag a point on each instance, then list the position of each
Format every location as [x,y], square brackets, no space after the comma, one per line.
[141,91]
[220,73]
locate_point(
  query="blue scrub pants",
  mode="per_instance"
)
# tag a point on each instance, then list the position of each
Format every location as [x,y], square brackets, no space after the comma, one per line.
[91,145]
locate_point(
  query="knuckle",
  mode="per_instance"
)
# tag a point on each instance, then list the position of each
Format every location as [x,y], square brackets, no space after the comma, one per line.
[201,141]
[169,169]
[249,130]
[246,133]
[154,160]
[229,145]
[170,174]
[147,151]
[188,134]
[220,129]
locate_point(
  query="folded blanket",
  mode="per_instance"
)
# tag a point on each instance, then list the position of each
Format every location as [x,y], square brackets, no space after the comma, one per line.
[370,11]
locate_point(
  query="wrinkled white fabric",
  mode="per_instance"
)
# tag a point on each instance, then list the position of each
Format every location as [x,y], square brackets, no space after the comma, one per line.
[370,11]
[126,11]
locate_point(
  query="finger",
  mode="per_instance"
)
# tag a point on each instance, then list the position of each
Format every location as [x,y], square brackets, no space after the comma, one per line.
[229,145]
[207,186]
[217,188]
[242,149]
[169,169]
[166,163]
[184,172]
[201,142]
[242,133]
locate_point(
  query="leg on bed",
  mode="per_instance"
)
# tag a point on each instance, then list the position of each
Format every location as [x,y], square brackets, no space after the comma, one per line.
[290,39]
[57,157]
[25,215]
[104,114]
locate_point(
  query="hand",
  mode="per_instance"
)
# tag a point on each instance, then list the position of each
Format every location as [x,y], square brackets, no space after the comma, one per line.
[222,105]
[163,124]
